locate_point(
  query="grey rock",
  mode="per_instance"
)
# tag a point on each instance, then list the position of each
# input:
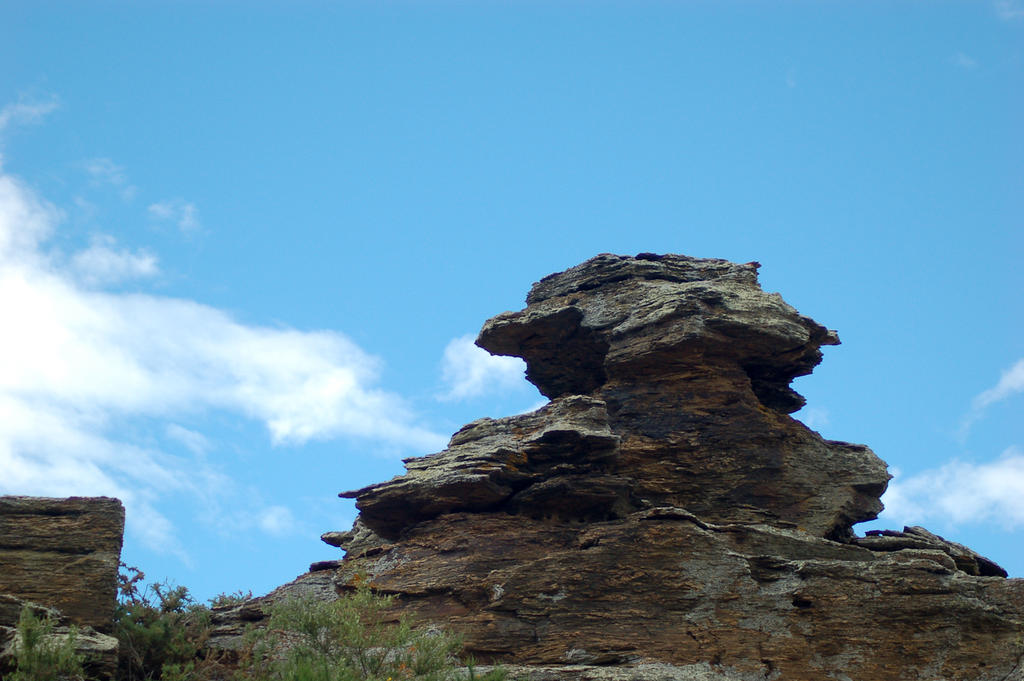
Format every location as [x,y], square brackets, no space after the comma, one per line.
[506,463]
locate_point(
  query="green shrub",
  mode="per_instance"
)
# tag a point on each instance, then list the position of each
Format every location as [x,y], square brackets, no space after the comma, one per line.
[162,632]
[235,598]
[351,639]
[42,655]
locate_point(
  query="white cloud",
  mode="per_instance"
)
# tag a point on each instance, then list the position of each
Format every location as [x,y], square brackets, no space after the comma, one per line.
[195,442]
[182,213]
[27,110]
[85,371]
[814,418]
[49,449]
[25,221]
[964,61]
[102,263]
[469,371]
[1009,10]
[103,171]
[1010,384]
[961,493]
[277,521]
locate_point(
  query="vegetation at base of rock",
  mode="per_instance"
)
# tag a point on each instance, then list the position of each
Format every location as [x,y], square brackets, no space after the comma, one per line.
[162,632]
[43,656]
[352,639]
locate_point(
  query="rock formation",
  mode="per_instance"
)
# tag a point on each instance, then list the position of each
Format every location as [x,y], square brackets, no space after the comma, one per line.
[663,517]
[61,557]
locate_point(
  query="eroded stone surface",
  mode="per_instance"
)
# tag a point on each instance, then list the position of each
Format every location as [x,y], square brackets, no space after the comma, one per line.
[920,539]
[685,364]
[63,553]
[619,316]
[551,462]
[98,650]
[60,557]
[664,517]
[754,601]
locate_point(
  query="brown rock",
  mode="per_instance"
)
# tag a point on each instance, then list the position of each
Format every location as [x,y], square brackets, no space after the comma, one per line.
[919,538]
[61,556]
[98,650]
[664,517]
[685,365]
[551,462]
[63,553]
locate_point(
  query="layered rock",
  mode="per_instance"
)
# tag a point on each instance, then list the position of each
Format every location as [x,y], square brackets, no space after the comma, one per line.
[663,517]
[60,556]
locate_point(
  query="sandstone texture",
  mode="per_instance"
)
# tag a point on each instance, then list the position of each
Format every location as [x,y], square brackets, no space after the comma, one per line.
[61,557]
[663,517]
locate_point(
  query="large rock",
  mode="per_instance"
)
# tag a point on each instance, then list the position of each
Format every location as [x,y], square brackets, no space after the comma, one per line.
[60,557]
[663,517]
[685,366]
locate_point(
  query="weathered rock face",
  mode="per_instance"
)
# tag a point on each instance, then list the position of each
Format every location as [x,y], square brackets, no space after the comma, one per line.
[61,556]
[669,378]
[663,517]
[98,650]
[63,553]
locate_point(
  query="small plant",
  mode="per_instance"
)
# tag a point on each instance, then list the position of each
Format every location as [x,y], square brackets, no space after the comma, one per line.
[226,599]
[352,639]
[42,655]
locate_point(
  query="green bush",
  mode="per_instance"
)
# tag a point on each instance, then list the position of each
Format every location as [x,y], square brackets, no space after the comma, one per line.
[351,639]
[221,600]
[43,656]
[162,632]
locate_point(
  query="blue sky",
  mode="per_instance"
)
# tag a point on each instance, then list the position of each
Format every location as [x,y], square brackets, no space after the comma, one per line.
[243,245]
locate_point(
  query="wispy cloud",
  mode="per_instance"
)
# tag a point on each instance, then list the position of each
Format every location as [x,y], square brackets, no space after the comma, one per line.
[961,493]
[94,383]
[1008,10]
[27,110]
[1010,383]
[814,418]
[103,263]
[183,214]
[277,521]
[103,171]
[964,61]
[193,441]
[469,371]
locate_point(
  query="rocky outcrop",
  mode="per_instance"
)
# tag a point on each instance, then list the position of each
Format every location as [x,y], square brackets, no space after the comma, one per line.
[60,556]
[99,650]
[663,517]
